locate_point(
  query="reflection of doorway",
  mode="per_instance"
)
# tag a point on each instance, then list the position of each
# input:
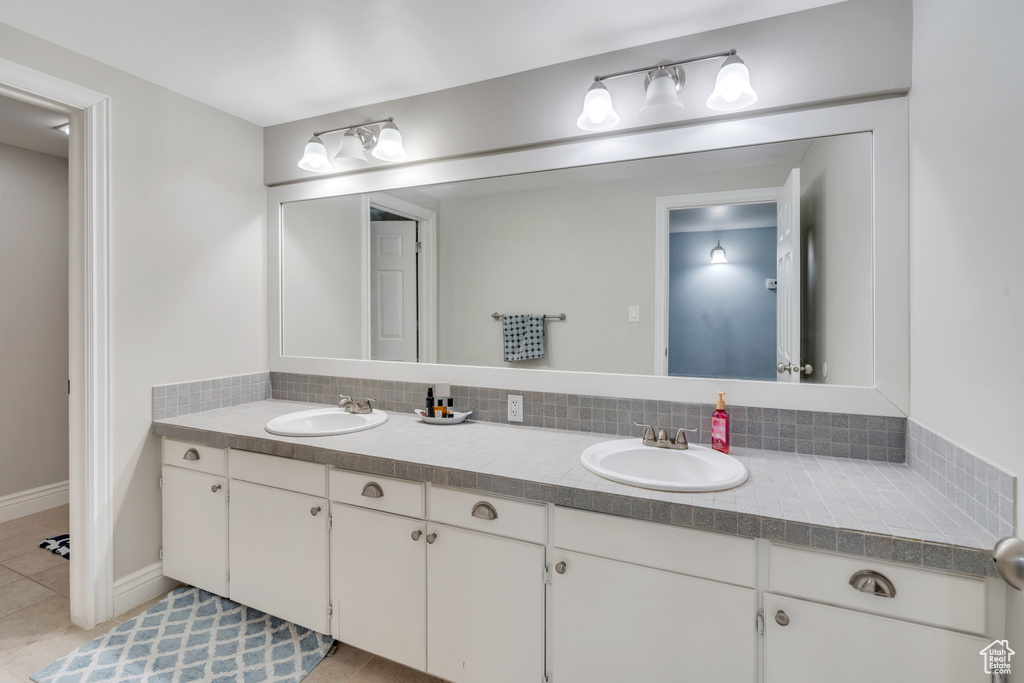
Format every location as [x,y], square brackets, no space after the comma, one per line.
[393,287]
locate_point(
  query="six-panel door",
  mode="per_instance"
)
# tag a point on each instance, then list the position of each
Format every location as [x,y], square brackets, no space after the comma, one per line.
[485,607]
[379,583]
[195,528]
[278,553]
[615,621]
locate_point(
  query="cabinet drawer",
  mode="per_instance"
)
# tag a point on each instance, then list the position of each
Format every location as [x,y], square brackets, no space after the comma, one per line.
[395,495]
[928,597]
[705,554]
[515,519]
[281,473]
[194,457]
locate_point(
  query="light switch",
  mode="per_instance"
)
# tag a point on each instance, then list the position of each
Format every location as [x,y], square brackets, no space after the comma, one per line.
[634,314]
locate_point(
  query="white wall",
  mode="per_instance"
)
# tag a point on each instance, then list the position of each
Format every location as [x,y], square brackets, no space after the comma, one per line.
[966,281]
[835,217]
[188,263]
[33,319]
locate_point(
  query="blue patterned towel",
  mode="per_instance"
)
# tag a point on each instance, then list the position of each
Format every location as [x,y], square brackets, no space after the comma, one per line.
[524,336]
[58,545]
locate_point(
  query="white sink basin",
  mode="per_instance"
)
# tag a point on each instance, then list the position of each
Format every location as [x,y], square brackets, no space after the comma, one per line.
[325,422]
[698,468]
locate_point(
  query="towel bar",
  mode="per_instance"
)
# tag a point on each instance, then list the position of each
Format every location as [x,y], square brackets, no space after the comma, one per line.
[553,316]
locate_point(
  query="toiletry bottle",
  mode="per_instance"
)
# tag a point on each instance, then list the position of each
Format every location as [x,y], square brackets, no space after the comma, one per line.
[439,407]
[720,425]
[429,407]
[451,408]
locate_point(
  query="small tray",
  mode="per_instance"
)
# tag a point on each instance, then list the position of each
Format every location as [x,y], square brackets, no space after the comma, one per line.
[459,417]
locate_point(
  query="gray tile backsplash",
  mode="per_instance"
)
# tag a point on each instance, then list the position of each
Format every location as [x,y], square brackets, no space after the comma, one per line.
[979,488]
[862,437]
[172,400]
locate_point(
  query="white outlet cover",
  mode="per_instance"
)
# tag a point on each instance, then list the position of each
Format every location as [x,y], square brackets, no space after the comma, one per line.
[515,408]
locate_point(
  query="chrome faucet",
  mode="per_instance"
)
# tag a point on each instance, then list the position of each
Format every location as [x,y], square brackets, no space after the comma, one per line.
[663,440]
[360,407]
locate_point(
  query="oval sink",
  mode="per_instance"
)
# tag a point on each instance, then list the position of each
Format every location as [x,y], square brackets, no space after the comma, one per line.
[325,422]
[698,468]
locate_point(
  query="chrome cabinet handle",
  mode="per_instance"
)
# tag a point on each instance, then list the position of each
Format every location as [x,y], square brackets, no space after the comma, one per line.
[560,567]
[795,369]
[431,538]
[781,618]
[484,510]
[416,535]
[873,583]
[314,510]
[215,488]
[191,454]
[373,490]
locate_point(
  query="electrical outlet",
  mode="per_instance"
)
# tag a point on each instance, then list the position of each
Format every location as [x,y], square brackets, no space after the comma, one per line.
[515,408]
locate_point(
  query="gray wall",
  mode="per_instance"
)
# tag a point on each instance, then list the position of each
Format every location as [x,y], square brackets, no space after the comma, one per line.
[33,319]
[721,316]
[850,49]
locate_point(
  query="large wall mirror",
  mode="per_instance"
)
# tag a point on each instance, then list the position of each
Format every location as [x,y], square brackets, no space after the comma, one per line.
[739,265]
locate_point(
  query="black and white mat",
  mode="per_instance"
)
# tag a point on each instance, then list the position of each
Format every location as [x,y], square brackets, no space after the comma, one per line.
[58,545]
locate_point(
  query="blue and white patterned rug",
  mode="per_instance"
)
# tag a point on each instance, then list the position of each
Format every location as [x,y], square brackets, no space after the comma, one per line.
[59,545]
[192,635]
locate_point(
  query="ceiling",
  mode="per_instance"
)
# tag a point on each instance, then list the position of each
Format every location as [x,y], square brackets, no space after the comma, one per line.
[269,61]
[30,127]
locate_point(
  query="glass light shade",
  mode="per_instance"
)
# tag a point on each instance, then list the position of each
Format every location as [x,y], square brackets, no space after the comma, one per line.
[718,254]
[389,144]
[315,157]
[351,154]
[662,97]
[598,112]
[732,88]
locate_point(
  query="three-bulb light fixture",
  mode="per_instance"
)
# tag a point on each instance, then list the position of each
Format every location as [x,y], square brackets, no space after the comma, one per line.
[663,83]
[384,142]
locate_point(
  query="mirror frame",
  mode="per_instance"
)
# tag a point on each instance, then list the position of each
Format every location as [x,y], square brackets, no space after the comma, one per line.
[886,119]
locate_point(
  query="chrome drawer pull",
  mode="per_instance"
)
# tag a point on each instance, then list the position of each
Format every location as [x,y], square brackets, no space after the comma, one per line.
[314,510]
[191,454]
[484,510]
[215,488]
[873,583]
[373,490]
[560,567]
[431,538]
[416,535]
[781,618]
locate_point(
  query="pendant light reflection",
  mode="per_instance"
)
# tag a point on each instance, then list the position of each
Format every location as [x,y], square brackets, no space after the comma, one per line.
[389,146]
[718,254]
[662,99]
[598,112]
[732,87]
[315,157]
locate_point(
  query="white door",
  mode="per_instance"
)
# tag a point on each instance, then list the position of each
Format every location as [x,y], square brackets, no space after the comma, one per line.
[485,608]
[787,311]
[379,583]
[278,553]
[393,334]
[823,643]
[195,529]
[614,621]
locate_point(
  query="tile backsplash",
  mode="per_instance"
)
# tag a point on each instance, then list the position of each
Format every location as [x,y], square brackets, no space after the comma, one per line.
[171,400]
[791,431]
[979,488]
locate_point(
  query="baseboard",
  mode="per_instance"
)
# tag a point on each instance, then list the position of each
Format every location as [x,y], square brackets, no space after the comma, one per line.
[32,501]
[138,587]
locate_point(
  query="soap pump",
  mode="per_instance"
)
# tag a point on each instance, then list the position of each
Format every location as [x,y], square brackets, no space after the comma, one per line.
[720,425]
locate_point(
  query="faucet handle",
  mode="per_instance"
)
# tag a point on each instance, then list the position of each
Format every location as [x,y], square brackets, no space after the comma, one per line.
[681,436]
[648,431]
[364,405]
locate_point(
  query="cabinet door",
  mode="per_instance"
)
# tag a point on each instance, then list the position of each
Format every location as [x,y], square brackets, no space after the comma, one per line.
[485,608]
[379,583]
[195,529]
[823,643]
[614,621]
[279,553]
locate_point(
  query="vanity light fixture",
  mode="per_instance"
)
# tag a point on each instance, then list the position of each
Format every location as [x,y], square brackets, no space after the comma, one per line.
[383,141]
[718,254]
[663,83]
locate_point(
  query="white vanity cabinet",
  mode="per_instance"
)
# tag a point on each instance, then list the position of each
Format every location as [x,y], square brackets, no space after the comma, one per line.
[645,619]
[195,515]
[279,538]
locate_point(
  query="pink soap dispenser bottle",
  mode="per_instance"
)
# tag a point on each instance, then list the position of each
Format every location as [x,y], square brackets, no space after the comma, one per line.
[720,425]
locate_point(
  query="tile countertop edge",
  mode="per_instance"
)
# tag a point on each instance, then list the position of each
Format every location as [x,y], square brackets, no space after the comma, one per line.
[900,549]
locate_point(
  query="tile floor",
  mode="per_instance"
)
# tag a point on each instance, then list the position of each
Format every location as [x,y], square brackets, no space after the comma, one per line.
[35,621]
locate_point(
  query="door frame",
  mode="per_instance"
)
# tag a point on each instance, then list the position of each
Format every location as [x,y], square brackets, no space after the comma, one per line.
[663,206]
[426,275]
[89,414]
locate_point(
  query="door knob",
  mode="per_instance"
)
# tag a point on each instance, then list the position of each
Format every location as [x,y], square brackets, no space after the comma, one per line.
[416,535]
[215,488]
[781,618]
[314,510]
[431,538]
[560,567]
